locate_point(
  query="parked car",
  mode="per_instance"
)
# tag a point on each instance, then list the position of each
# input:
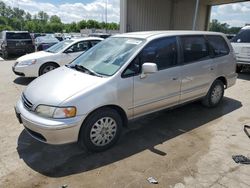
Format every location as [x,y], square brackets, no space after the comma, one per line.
[44,42]
[15,43]
[101,35]
[241,45]
[124,77]
[38,63]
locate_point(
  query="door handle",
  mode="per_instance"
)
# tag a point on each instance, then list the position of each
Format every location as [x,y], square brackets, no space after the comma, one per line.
[174,78]
[211,68]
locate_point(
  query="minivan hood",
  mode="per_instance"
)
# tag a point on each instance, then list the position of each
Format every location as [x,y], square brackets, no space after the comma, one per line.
[35,55]
[58,85]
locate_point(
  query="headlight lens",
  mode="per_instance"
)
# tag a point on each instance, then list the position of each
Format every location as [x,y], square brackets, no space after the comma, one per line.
[56,112]
[23,63]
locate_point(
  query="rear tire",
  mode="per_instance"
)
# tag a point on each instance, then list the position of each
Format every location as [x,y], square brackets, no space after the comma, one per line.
[101,130]
[47,67]
[214,95]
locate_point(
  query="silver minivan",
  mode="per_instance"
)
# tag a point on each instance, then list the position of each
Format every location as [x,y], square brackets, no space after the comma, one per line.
[124,77]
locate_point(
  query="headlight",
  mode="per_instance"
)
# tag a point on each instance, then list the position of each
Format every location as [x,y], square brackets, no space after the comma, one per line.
[56,112]
[26,63]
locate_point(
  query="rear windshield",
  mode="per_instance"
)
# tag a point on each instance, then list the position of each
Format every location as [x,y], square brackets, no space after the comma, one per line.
[18,36]
[242,37]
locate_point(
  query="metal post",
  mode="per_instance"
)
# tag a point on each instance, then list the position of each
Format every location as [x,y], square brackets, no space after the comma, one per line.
[196,14]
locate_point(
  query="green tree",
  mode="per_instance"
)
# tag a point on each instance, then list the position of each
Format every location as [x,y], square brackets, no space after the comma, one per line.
[43,16]
[82,24]
[55,19]
[93,24]
[28,17]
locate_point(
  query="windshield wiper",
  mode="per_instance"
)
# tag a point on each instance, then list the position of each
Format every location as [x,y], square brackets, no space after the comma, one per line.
[84,69]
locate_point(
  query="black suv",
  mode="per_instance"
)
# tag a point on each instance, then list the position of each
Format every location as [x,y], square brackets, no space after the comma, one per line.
[15,43]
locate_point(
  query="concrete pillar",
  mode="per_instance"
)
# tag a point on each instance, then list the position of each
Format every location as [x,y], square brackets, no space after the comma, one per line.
[196,14]
[123,16]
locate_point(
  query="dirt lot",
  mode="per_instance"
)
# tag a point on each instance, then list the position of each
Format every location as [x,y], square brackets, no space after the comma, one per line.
[186,147]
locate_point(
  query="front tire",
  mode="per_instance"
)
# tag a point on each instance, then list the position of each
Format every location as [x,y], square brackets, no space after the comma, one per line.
[47,67]
[101,130]
[214,95]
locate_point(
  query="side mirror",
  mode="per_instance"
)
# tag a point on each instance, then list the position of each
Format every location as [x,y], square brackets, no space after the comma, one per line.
[148,68]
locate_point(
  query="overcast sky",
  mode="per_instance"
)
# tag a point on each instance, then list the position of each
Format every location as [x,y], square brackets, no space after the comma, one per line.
[236,14]
[75,10]
[72,10]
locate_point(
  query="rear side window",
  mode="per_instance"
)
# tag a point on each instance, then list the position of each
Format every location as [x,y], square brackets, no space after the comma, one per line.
[94,42]
[162,51]
[194,48]
[218,44]
[18,36]
[242,37]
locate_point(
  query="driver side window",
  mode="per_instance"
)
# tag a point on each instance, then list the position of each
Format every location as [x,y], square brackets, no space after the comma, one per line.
[133,69]
[79,47]
[162,52]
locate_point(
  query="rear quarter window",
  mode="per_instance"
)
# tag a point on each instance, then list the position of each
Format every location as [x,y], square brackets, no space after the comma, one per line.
[218,45]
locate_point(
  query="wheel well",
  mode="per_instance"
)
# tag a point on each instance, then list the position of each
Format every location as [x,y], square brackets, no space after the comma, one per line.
[119,110]
[54,63]
[224,80]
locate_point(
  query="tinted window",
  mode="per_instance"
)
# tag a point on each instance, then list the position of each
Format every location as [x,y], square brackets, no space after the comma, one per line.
[94,42]
[18,36]
[79,47]
[194,48]
[242,37]
[162,51]
[133,68]
[218,44]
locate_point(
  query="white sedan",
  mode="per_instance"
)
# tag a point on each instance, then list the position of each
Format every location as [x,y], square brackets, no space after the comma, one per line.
[38,63]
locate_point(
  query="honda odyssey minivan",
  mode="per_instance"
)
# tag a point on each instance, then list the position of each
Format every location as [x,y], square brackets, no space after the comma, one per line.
[124,77]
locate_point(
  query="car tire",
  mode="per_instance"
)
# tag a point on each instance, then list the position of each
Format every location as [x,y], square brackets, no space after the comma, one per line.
[239,68]
[101,130]
[47,67]
[214,95]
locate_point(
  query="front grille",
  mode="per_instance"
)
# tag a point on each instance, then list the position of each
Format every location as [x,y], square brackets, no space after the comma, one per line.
[27,104]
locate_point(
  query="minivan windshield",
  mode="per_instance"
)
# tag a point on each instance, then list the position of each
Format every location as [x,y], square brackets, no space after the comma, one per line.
[10,35]
[108,56]
[59,46]
[242,37]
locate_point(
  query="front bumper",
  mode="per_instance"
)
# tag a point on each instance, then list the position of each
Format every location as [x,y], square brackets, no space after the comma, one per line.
[27,71]
[51,131]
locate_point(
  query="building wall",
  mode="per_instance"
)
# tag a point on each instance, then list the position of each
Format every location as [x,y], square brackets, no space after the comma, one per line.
[141,15]
[148,15]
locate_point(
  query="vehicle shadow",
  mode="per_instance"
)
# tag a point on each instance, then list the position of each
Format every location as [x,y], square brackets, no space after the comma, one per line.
[23,80]
[142,134]
[244,75]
